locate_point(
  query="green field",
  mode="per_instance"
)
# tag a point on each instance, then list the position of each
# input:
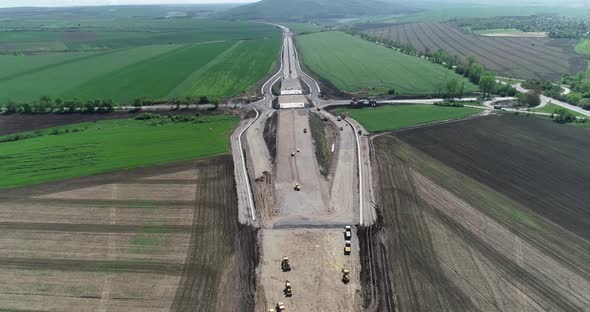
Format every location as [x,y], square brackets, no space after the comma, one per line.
[392,117]
[353,64]
[123,33]
[156,71]
[550,109]
[110,145]
[583,47]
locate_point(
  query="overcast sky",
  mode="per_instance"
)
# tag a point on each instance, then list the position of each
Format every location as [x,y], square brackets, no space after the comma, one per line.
[52,3]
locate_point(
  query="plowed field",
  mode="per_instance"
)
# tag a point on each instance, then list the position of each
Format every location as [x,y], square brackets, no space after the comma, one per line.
[152,239]
[527,58]
[494,221]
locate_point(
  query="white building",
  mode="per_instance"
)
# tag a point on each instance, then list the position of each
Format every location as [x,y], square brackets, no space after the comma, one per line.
[292,101]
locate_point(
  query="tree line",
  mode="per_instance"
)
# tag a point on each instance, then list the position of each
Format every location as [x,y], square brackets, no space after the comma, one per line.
[554,25]
[471,70]
[47,105]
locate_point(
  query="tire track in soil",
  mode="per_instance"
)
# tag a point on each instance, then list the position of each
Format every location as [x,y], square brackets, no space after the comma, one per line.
[501,51]
[511,270]
[219,271]
[93,228]
[398,249]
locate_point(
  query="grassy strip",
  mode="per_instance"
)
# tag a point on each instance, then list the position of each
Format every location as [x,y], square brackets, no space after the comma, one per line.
[392,117]
[583,47]
[110,145]
[550,109]
[356,65]
[318,133]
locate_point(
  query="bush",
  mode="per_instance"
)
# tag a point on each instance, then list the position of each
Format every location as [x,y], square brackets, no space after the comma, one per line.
[449,104]
[530,99]
[563,115]
[147,116]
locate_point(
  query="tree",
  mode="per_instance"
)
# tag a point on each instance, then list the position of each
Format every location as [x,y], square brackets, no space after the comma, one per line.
[471,60]
[455,59]
[59,104]
[461,89]
[11,107]
[188,101]
[475,71]
[89,107]
[487,83]
[530,99]
[452,87]
[138,103]
[563,115]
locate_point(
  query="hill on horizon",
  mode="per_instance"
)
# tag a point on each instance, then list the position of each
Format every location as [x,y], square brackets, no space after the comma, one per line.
[312,9]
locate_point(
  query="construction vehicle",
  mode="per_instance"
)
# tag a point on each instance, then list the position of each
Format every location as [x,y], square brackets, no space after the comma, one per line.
[280,307]
[339,118]
[297,187]
[347,233]
[292,153]
[288,291]
[304,130]
[285,266]
[298,150]
[347,247]
[345,276]
[363,102]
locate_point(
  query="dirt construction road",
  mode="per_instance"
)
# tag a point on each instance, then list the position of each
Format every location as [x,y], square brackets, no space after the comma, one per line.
[309,204]
[307,230]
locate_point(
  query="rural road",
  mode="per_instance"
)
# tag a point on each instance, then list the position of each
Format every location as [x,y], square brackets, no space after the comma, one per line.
[546,100]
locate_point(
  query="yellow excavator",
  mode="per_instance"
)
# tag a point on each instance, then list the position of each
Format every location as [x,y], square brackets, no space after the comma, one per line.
[288,291]
[345,275]
[285,266]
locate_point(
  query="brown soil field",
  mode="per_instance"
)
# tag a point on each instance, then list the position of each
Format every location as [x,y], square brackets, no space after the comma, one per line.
[459,225]
[526,58]
[164,238]
[14,123]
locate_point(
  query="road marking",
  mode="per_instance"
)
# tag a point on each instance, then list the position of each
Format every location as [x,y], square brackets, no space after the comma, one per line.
[249,187]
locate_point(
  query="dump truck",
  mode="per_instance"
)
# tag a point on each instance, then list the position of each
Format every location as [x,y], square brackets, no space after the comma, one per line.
[285,266]
[288,291]
[280,307]
[347,233]
[345,276]
[347,247]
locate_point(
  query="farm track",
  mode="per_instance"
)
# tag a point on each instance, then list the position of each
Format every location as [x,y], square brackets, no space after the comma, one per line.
[539,58]
[444,242]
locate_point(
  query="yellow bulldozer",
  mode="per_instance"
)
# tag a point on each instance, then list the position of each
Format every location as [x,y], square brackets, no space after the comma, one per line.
[345,276]
[288,291]
[285,266]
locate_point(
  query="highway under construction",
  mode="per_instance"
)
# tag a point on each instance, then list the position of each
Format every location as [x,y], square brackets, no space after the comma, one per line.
[303,214]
